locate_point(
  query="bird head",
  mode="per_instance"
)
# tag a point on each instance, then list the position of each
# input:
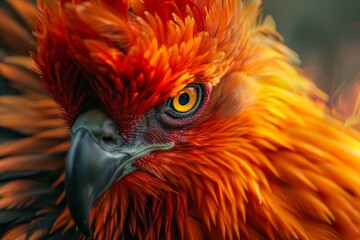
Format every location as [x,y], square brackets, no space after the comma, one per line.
[166,104]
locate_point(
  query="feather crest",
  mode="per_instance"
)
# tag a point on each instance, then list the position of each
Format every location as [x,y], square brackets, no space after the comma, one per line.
[272,166]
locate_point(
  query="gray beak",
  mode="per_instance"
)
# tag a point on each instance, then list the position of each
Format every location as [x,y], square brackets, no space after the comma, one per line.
[97,158]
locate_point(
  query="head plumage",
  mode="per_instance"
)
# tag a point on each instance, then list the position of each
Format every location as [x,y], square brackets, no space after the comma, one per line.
[133,55]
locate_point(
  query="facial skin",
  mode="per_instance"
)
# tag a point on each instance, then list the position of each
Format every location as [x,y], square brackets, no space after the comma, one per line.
[100,155]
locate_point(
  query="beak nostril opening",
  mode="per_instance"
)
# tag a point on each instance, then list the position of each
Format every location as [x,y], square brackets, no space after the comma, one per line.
[108,140]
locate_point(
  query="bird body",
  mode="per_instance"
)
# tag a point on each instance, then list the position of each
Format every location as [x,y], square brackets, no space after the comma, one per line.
[220,134]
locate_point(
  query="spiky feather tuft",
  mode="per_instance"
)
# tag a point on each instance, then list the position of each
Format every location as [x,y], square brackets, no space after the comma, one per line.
[264,160]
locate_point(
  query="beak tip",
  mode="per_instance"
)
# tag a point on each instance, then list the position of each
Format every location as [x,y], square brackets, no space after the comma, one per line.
[85,229]
[81,215]
[81,222]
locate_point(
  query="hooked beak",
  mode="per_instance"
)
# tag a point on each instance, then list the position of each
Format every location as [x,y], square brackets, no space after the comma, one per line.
[97,158]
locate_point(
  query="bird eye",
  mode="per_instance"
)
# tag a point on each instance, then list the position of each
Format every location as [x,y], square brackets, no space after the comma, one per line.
[186,102]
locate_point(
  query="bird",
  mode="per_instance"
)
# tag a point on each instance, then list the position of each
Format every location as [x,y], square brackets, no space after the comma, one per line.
[149,119]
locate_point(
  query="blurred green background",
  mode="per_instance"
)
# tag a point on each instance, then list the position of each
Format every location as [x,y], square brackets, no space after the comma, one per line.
[325,33]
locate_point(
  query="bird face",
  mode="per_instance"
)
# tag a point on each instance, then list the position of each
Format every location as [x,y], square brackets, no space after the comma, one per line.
[139,85]
[132,82]
[102,154]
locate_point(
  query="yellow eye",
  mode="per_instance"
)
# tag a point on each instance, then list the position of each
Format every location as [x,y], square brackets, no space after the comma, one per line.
[186,100]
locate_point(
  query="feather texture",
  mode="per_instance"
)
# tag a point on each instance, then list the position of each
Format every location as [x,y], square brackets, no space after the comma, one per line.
[264,160]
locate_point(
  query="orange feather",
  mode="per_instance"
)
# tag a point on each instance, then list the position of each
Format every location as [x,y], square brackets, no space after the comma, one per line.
[265,160]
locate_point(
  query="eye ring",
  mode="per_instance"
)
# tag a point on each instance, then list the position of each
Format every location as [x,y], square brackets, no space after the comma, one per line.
[186,102]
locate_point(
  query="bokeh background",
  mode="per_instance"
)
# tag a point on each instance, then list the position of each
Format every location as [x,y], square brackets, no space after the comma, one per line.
[326,35]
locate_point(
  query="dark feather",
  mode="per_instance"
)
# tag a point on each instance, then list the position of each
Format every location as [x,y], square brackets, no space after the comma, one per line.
[33,139]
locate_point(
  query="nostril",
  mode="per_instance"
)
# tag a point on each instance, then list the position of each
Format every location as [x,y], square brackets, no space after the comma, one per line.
[108,140]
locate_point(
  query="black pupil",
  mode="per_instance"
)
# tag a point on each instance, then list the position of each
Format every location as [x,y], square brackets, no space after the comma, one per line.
[184,99]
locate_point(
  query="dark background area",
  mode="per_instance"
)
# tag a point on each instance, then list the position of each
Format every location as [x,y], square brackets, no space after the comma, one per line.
[325,33]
